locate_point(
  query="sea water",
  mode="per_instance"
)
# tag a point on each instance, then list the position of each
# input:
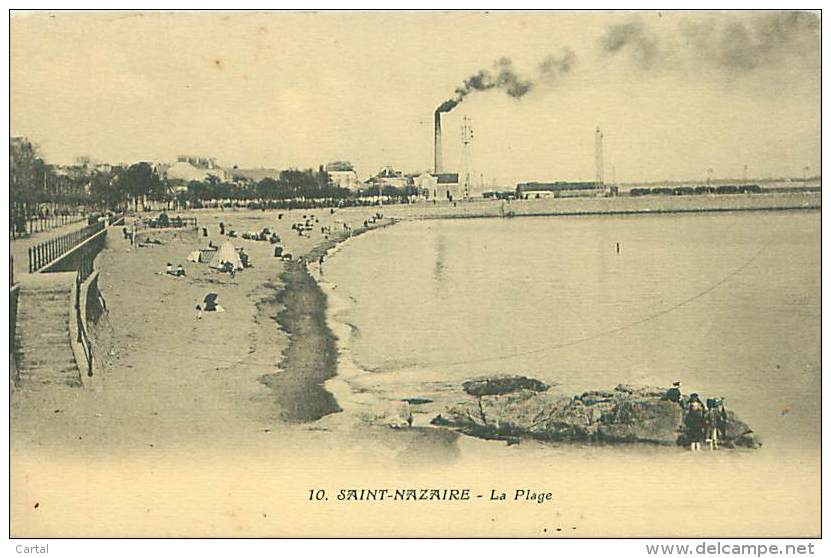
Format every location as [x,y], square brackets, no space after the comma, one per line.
[729,304]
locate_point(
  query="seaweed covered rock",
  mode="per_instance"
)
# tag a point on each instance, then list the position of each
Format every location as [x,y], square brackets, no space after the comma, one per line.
[502,384]
[625,414]
[520,413]
[739,434]
[637,419]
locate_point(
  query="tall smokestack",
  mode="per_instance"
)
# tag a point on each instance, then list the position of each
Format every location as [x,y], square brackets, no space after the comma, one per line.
[598,157]
[437,162]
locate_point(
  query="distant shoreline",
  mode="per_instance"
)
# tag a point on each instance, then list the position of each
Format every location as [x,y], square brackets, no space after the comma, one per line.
[626,212]
[618,205]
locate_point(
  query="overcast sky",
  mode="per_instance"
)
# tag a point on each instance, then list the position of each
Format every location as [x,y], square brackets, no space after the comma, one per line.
[675,93]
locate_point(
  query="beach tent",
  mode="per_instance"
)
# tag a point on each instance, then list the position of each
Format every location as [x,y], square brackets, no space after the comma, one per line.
[226,253]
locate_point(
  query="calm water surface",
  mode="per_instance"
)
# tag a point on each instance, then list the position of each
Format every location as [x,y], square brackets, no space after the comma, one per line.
[727,303]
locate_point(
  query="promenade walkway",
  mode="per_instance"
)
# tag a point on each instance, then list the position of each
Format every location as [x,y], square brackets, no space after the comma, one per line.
[19,248]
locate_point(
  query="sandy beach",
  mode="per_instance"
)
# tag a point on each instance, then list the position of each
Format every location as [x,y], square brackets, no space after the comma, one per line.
[177,371]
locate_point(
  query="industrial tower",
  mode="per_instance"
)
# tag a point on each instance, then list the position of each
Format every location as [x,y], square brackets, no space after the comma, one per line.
[467,137]
[598,157]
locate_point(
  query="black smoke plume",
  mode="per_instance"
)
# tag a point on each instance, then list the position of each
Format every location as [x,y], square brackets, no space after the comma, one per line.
[634,37]
[553,67]
[503,76]
[732,43]
[761,40]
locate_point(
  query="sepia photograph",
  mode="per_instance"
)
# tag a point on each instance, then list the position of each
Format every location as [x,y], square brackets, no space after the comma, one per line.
[415,274]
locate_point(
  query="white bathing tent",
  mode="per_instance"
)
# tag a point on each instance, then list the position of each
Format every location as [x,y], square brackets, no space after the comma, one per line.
[226,253]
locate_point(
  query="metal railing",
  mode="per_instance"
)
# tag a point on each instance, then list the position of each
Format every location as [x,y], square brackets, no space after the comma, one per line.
[85,269]
[46,252]
[14,295]
[41,223]
[85,265]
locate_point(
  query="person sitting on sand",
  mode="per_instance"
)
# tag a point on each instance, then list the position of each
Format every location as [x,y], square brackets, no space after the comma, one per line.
[180,271]
[169,269]
[696,422]
[228,267]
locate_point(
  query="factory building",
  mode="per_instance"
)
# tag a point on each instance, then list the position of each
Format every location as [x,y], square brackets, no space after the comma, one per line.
[536,190]
[440,186]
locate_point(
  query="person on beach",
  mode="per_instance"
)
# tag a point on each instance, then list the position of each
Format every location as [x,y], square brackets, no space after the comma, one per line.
[180,271]
[228,267]
[695,422]
[674,393]
[222,228]
[198,311]
[169,269]
[716,421]
[400,415]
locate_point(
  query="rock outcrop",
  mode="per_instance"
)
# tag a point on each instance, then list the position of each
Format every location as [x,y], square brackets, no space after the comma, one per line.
[624,415]
[502,384]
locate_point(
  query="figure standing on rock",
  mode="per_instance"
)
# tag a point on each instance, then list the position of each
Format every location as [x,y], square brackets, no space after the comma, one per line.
[716,421]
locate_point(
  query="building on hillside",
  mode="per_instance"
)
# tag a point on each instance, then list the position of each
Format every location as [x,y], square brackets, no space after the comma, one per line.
[253,175]
[186,171]
[198,161]
[342,174]
[537,190]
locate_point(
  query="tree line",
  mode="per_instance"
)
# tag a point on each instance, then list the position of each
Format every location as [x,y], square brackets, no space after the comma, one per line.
[38,189]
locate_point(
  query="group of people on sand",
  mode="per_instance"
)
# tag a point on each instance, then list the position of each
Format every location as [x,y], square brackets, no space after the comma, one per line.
[371,221]
[178,272]
[306,226]
[702,423]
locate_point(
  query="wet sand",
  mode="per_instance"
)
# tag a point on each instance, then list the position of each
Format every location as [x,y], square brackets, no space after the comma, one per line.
[311,356]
